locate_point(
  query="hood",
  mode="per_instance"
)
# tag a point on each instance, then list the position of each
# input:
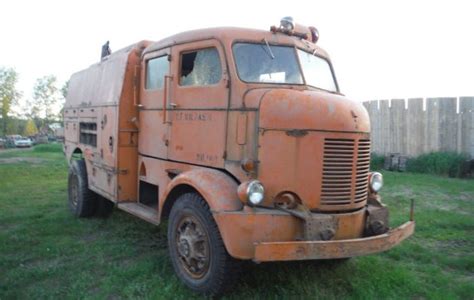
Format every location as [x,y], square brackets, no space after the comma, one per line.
[311,110]
[314,145]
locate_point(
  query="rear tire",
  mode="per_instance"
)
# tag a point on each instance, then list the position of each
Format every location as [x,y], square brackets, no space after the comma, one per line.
[196,249]
[82,201]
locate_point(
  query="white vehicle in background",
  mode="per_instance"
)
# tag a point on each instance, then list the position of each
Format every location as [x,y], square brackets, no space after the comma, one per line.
[23,142]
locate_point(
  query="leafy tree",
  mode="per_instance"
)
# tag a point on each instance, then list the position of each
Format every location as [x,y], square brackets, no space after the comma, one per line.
[15,126]
[44,105]
[64,91]
[45,96]
[30,128]
[8,94]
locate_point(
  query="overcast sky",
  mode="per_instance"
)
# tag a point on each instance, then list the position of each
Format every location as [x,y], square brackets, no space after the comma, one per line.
[379,49]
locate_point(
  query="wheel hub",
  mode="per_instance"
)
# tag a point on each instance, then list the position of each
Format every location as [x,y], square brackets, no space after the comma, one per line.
[193,247]
[184,248]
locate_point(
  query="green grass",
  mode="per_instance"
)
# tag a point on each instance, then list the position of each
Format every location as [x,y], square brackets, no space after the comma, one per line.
[47,253]
[441,163]
[54,147]
[376,161]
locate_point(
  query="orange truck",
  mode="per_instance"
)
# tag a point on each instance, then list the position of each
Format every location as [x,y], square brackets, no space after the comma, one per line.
[240,139]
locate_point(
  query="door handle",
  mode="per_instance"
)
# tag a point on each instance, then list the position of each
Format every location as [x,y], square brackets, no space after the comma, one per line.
[165,97]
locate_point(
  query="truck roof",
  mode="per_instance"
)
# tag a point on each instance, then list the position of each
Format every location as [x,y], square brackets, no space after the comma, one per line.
[101,82]
[227,35]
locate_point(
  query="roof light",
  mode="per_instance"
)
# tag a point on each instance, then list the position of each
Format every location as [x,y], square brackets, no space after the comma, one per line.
[287,24]
[289,27]
[314,34]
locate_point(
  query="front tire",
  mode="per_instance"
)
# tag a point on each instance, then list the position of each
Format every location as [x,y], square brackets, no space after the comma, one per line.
[196,249]
[82,201]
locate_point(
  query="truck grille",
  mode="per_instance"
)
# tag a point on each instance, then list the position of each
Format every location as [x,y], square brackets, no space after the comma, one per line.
[341,158]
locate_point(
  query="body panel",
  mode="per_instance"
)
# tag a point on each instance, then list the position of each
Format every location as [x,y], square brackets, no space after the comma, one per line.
[198,114]
[98,117]
[154,132]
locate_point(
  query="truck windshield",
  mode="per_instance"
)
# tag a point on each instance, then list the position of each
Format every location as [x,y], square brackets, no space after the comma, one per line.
[267,63]
[263,63]
[317,71]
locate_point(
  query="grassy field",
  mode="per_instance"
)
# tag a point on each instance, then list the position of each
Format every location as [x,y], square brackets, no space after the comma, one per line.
[46,253]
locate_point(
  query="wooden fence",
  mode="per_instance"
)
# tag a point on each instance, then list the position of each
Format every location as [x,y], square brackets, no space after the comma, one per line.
[438,124]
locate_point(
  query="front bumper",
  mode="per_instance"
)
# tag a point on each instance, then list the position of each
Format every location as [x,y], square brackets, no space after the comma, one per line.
[301,250]
[263,234]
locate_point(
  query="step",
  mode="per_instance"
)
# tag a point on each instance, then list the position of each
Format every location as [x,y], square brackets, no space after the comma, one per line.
[142,211]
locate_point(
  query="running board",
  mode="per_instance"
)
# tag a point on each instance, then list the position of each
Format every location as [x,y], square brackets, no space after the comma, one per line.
[142,211]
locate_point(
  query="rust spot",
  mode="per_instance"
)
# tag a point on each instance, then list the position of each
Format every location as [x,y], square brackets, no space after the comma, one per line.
[296,132]
[300,252]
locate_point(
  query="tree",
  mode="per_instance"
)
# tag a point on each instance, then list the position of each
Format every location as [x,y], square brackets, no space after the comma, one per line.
[8,94]
[45,100]
[30,128]
[64,91]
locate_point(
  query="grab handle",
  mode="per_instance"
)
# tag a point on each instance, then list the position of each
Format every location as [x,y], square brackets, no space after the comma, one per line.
[165,97]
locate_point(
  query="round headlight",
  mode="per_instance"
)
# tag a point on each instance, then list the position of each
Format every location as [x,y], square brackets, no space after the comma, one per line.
[376,182]
[287,23]
[255,192]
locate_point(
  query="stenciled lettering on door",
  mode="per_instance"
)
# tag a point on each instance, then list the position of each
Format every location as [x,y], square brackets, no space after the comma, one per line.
[192,116]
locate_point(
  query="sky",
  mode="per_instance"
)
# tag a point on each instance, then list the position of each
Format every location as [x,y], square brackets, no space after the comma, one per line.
[379,49]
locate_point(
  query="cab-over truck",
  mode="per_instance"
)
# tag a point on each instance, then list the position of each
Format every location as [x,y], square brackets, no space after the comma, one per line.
[240,139]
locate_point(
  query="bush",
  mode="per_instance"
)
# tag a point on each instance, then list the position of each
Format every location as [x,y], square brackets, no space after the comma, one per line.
[441,163]
[376,162]
[49,148]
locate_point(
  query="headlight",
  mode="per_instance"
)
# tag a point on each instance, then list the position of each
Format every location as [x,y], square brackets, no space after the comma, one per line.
[376,182]
[251,192]
[255,192]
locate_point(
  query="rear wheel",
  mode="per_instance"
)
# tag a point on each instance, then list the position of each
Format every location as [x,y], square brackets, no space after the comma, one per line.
[82,201]
[197,252]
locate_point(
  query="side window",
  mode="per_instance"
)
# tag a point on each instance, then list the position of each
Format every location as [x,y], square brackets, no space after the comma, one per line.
[156,69]
[201,67]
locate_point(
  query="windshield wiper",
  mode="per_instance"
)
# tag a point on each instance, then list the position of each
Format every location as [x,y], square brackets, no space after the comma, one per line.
[269,49]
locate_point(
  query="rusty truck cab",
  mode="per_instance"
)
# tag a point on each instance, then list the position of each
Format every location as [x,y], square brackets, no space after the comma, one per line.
[252,126]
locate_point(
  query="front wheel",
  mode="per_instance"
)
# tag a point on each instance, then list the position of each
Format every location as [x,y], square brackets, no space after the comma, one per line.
[197,252]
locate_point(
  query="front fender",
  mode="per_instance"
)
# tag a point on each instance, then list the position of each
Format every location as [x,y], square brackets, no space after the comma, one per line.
[217,188]
[219,191]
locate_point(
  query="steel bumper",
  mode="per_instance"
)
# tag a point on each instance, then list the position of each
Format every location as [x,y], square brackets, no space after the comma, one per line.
[302,250]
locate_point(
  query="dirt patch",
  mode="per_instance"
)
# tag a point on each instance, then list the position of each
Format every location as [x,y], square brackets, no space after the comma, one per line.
[14,160]
[466,196]
[4,150]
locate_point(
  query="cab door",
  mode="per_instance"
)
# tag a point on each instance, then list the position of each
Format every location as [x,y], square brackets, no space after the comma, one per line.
[154,130]
[198,103]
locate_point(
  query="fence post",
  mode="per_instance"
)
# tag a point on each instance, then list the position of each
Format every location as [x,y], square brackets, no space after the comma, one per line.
[466,110]
[415,127]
